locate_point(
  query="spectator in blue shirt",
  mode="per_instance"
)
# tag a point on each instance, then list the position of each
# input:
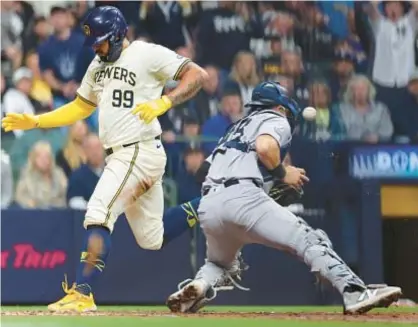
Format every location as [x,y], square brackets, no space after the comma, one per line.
[215,127]
[206,102]
[338,14]
[188,187]
[405,118]
[83,180]
[58,57]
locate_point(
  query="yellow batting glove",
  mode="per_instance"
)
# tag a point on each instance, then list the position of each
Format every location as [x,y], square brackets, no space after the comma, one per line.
[14,121]
[150,110]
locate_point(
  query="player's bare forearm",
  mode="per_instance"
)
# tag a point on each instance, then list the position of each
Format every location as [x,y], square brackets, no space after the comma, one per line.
[191,79]
[268,151]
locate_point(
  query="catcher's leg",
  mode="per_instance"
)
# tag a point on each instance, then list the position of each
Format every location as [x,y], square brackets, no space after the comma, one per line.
[177,220]
[277,227]
[222,250]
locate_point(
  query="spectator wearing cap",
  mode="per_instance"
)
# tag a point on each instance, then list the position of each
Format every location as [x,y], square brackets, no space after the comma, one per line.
[394,56]
[58,57]
[362,117]
[343,70]
[353,46]
[18,100]
[231,110]
[206,102]
[188,187]
[244,76]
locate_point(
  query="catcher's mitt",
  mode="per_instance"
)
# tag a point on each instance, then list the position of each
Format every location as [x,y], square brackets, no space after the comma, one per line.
[285,194]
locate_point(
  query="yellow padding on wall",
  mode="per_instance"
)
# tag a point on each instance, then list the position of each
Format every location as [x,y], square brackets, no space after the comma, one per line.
[399,200]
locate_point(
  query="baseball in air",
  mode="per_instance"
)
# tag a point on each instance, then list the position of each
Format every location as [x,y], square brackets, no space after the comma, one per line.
[309,113]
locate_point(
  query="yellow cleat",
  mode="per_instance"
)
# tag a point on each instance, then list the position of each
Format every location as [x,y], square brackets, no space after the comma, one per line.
[74,301]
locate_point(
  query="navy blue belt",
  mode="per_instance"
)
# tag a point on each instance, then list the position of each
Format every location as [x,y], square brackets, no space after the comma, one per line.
[110,150]
[231,182]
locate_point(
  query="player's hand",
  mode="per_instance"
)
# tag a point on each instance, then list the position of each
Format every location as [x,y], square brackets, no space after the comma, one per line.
[295,177]
[14,121]
[150,110]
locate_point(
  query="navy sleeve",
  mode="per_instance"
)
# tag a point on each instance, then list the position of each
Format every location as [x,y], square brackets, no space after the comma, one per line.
[45,61]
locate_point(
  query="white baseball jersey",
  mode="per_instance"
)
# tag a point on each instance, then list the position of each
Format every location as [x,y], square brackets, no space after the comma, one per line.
[138,76]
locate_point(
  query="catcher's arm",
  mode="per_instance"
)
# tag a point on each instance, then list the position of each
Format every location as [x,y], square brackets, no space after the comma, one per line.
[282,193]
[268,152]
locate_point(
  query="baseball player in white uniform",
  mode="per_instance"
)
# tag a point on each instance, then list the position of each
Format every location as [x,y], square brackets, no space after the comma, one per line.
[125,80]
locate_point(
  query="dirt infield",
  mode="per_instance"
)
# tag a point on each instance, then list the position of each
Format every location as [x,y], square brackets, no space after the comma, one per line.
[405,317]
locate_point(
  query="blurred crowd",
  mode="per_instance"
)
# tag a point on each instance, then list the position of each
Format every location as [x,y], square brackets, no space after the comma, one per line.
[355,62]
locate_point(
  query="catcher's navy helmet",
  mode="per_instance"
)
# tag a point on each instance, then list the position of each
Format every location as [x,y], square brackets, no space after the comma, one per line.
[268,95]
[106,23]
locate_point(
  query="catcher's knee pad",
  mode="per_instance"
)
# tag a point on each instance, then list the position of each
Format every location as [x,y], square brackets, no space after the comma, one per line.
[311,243]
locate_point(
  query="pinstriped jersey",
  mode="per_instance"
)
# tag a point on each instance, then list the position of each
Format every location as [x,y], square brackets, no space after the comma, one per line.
[138,76]
[235,156]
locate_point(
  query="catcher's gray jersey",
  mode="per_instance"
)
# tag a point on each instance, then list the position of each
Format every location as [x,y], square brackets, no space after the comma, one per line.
[234,214]
[235,156]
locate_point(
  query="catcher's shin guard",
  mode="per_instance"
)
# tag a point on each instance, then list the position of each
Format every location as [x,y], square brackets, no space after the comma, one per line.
[315,248]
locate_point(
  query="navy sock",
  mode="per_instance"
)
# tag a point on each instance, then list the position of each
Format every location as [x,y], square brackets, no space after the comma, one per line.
[179,219]
[90,268]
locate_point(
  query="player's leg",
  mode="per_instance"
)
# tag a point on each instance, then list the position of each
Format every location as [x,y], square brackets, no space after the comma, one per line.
[275,226]
[145,217]
[178,219]
[106,204]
